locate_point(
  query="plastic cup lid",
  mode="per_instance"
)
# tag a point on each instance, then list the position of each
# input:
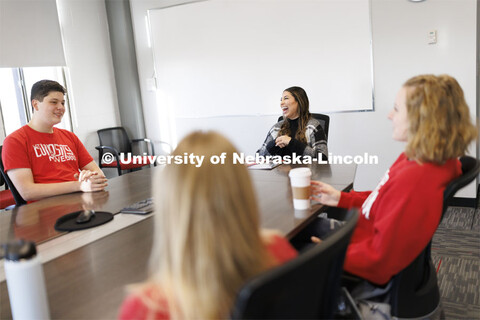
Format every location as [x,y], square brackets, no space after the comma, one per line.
[300,172]
[19,250]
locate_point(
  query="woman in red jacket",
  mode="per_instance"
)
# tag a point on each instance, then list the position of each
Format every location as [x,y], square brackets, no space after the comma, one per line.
[400,216]
[207,237]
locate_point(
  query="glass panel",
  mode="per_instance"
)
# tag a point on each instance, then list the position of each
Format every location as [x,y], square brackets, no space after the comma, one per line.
[11,100]
[32,75]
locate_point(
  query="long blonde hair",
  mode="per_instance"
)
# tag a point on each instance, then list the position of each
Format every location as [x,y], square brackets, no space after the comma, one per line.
[440,127]
[207,235]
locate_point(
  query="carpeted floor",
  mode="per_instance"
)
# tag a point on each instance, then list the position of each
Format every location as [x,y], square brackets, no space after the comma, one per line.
[456,254]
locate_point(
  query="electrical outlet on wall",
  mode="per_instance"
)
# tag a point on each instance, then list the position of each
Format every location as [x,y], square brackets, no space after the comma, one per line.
[432,37]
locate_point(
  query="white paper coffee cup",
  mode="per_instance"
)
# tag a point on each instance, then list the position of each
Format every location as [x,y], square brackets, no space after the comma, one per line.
[300,182]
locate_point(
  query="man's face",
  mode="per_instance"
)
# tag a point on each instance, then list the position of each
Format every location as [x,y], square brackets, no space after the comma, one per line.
[50,111]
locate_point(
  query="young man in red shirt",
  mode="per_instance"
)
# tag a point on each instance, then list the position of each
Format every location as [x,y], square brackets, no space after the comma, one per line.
[44,161]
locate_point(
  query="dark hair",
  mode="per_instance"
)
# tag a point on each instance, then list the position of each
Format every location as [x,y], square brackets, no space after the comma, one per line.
[303,111]
[42,88]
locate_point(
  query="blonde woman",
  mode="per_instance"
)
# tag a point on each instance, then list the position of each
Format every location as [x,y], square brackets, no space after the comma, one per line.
[400,216]
[207,237]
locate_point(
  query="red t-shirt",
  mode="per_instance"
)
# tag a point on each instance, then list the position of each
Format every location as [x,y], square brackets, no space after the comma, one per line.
[398,218]
[52,157]
[134,308]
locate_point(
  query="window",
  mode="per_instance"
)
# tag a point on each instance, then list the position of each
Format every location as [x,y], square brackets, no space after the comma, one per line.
[16,84]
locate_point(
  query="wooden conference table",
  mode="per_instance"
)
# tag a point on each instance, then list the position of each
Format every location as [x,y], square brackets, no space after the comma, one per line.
[89,281]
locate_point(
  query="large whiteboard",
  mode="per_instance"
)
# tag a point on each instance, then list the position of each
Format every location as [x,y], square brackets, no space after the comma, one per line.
[235,57]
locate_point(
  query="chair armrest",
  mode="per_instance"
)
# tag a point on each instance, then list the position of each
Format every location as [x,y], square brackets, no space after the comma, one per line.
[102,149]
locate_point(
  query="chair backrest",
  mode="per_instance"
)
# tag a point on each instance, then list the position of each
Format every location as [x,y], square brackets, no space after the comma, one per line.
[303,288]
[322,118]
[115,137]
[415,290]
[18,198]
[2,180]
[6,196]
[470,170]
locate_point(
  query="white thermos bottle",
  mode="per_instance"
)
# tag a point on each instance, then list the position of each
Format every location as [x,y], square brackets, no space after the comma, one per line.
[25,281]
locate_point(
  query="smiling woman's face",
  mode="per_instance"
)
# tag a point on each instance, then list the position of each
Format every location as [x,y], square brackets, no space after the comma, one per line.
[289,105]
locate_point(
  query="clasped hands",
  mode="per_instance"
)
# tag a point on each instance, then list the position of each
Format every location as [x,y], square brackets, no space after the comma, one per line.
[91,181]
[282,141]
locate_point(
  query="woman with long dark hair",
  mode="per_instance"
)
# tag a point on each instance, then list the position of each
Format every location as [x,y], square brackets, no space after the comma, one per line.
[299,132]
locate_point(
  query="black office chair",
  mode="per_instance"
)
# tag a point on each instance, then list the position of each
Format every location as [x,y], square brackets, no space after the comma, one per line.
[19,201]
[6,196]
[116,141]
[304,288]
[324,121]
[415,292]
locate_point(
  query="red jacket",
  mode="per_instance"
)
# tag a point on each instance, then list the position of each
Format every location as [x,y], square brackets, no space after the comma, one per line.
[398,218]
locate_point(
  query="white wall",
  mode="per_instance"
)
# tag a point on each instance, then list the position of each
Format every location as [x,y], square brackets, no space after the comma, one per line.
[199,51]
[400,30]
[400,47]
[157,125]
[89,61]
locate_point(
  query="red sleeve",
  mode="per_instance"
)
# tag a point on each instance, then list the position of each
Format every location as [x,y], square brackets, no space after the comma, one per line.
[133,308]
[404,219]
[281,249]
[353,199]
[14,153]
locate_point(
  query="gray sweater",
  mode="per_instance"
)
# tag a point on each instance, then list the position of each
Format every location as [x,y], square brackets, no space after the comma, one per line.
[316,142]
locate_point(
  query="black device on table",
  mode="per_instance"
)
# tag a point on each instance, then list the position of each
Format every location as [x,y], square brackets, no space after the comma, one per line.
[85,216]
